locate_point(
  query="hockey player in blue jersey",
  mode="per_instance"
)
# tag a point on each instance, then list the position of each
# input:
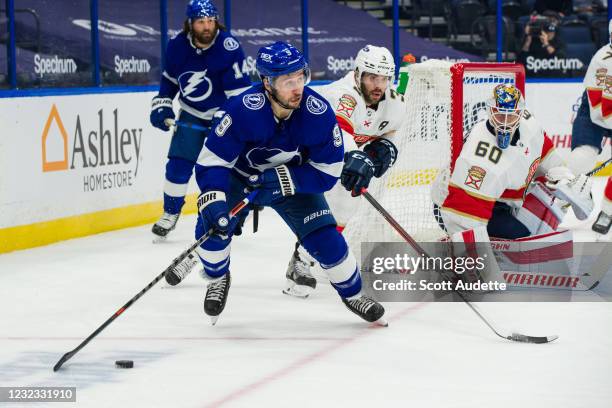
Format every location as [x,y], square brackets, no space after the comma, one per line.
[204,67]
[281,138]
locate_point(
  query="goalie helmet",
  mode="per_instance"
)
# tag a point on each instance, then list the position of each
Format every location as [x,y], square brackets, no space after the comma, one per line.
[200,9]
[505,110]
[375,60]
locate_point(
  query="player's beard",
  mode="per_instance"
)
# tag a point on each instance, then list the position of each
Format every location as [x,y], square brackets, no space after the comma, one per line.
[205,37]
[293,102]
[372,97]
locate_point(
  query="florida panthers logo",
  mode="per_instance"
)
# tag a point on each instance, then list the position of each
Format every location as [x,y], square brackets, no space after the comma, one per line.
[195,86]
[263,158]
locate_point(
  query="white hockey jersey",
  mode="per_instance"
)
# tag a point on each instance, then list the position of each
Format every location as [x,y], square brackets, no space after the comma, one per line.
[598,84]
[357,119]
[484,173]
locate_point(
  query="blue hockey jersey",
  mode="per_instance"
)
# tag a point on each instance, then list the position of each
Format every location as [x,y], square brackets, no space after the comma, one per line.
[247,138]
[205,77]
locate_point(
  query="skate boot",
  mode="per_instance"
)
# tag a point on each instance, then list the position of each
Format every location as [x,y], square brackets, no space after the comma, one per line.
[602,223]
[166,223]
[366,308]
[216,296]
[178,273]
[300,282]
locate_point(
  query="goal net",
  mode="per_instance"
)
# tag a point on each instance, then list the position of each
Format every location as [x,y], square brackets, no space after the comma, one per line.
[443,102]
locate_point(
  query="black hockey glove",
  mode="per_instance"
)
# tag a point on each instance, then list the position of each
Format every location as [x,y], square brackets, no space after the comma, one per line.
[357,172]
[383,153]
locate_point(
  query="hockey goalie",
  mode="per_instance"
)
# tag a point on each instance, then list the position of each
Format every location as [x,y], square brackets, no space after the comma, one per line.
[508,181]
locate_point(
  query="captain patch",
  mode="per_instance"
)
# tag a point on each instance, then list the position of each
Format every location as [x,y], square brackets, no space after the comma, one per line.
[475,176]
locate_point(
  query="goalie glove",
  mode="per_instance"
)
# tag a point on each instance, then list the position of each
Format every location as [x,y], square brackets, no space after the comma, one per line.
[383,154]
[558,176]
[577,192]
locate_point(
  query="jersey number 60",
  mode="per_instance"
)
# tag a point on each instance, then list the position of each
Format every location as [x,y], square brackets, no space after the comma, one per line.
[482,150]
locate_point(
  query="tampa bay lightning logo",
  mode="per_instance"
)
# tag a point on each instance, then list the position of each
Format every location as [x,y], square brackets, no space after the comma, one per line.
[230,44]
[263,158]
[254,101]
[315,105]
[195,86]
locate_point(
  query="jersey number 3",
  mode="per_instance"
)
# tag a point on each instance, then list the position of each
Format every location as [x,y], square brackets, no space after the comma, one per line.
[484,149]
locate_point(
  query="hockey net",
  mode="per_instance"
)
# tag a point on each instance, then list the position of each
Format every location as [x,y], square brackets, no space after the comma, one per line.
[443,102]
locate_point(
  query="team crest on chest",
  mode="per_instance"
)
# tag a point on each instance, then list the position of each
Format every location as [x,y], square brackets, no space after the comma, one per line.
[254,101]
[475,177]
[315,105]
[346,106]
[195,86]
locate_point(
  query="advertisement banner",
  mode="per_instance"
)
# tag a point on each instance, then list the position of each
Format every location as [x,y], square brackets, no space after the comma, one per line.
[62,156]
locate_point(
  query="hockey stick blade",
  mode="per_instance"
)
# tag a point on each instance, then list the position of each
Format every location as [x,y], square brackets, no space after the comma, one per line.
[402,232]
[241,205]
[521,338]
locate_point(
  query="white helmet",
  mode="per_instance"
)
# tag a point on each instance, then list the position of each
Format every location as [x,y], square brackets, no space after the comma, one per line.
[376,60]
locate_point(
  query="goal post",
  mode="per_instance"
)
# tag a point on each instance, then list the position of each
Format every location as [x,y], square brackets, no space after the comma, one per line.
[443,101]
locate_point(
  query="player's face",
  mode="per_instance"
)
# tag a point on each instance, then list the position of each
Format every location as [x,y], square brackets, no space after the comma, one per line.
[288,89]
[204,30]
[373,87]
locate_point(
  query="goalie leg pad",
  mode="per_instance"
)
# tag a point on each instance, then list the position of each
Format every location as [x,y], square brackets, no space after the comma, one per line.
[329,248]
[541,212]
[475,243]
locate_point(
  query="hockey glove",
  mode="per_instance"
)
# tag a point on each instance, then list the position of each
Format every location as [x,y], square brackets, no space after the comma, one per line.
[558,176]
[383,154]
[161,109]
[214,212]
[357,172]
[273,184]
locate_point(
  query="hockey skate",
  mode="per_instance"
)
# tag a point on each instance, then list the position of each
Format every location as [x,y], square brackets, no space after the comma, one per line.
[366,308]
[602,223]
[300,282]
[162,228]
[216,296]
[180,271]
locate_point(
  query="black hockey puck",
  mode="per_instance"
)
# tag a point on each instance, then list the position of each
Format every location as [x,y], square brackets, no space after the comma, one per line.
[124,364]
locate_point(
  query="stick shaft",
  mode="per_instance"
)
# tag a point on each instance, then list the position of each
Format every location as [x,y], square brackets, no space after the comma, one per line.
[241,205]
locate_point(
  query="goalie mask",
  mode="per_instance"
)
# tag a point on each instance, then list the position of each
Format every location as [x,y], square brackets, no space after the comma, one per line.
[505,111]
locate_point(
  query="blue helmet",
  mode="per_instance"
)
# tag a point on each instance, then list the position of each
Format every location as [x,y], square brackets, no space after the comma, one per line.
[280,58]
[505,111]
[201,8]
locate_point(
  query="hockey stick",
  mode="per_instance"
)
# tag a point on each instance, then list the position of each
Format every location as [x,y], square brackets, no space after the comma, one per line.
[177,123]
[175,262]
[598,168]
[389,218]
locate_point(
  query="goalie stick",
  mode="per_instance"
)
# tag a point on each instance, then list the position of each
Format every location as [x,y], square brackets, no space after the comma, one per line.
[389,218]
[240,206]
